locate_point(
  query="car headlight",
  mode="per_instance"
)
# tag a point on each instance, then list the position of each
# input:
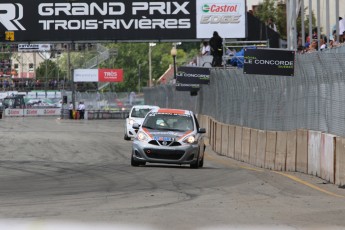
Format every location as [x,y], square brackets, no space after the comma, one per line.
[190,139]
[131,122]
[142,136]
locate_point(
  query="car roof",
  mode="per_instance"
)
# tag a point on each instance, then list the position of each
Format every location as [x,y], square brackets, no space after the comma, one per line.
[144,106]
[172,111]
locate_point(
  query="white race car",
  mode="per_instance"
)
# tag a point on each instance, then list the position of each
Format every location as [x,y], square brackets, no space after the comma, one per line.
[136,115]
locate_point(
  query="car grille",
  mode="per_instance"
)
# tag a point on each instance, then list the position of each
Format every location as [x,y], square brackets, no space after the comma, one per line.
[164,154]
[164,143]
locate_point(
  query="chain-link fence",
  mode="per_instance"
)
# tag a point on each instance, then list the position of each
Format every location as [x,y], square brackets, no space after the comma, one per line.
[313,99]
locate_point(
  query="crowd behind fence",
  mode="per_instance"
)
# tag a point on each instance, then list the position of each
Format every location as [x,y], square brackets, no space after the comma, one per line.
[313,99]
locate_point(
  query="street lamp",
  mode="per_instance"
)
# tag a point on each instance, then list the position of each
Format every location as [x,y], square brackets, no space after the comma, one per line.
[173,53]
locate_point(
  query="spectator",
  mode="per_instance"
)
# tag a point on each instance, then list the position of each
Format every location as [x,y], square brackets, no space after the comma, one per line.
[271,24]
[334,42]
[216,44]
[313,46]
[70,108]
[81,109]
[323,43]
[206,49]
[341,29]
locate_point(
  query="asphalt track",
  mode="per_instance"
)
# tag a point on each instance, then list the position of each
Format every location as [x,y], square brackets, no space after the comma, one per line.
[76,174]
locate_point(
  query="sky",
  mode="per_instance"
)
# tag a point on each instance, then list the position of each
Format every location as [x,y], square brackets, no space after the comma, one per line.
[314,5]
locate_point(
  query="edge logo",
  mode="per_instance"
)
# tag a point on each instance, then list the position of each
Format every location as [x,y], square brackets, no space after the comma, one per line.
[10,13]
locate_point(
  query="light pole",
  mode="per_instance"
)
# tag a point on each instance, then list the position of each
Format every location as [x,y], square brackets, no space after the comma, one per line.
[173,53]
[150,63]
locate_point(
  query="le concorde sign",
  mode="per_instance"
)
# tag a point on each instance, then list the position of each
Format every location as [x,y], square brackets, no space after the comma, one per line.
[269,62]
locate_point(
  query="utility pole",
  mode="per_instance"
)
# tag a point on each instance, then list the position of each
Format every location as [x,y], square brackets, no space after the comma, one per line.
[139,77]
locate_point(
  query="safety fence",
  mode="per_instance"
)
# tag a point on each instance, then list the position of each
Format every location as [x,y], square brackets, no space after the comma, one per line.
[313,99]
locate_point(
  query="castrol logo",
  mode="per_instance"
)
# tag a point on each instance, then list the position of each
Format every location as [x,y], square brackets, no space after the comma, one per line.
[220,8]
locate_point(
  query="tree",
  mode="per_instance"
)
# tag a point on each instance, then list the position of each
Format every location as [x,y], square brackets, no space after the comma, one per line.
[48,70]
[129,56]
[277,11]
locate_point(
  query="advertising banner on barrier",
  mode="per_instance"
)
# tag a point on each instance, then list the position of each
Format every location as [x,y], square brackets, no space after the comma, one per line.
[193,75]
[32,112]
[269,62]
[98,75]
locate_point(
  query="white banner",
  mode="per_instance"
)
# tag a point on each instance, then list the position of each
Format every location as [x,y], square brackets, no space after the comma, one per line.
[32,112]
[85,75]
[227,17]
[33,47]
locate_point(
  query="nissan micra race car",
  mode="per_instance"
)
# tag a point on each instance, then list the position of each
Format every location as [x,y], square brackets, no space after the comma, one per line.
[170,136]
[136,115]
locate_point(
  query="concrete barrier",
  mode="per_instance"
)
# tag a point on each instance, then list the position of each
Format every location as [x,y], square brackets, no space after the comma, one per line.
[238,142]
[218,143]
[327,157]
[281,151]
[245,145]
[291,149]
[302,151]
[270,149]
[340,161]
[225,140]
[231,144]
[261,149]
[314,153]
[212,134]
[253,146]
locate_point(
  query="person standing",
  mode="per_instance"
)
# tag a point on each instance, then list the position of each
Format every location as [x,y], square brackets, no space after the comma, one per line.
[216,44]
[81,109]
[70,108]
[206,49]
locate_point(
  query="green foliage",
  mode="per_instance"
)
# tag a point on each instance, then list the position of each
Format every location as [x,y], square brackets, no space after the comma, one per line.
[267,9]
[47,70]
[277,11]
[129,57]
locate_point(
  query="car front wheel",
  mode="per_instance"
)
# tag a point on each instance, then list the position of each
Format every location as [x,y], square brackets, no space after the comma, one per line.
[126,137]
[195,164]
[134,162]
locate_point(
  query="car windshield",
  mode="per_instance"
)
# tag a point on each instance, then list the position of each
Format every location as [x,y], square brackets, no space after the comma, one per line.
[140,113]
[171,122]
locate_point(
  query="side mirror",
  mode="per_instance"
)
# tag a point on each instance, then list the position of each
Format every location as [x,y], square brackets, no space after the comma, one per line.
[136,126]
[127,116]
[202,130]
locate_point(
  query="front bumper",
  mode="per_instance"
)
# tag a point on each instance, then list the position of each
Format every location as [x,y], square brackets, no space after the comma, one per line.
[183,154]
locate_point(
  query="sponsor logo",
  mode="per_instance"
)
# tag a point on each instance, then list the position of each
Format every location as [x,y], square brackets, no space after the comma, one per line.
[221,14]
[10,14]
[110,74]
[220,19]
[220,8]
[206,8]
[49,111]
[13,112]
[31,112]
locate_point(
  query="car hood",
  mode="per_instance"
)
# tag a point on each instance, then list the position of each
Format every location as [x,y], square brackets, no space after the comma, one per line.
[160,134]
